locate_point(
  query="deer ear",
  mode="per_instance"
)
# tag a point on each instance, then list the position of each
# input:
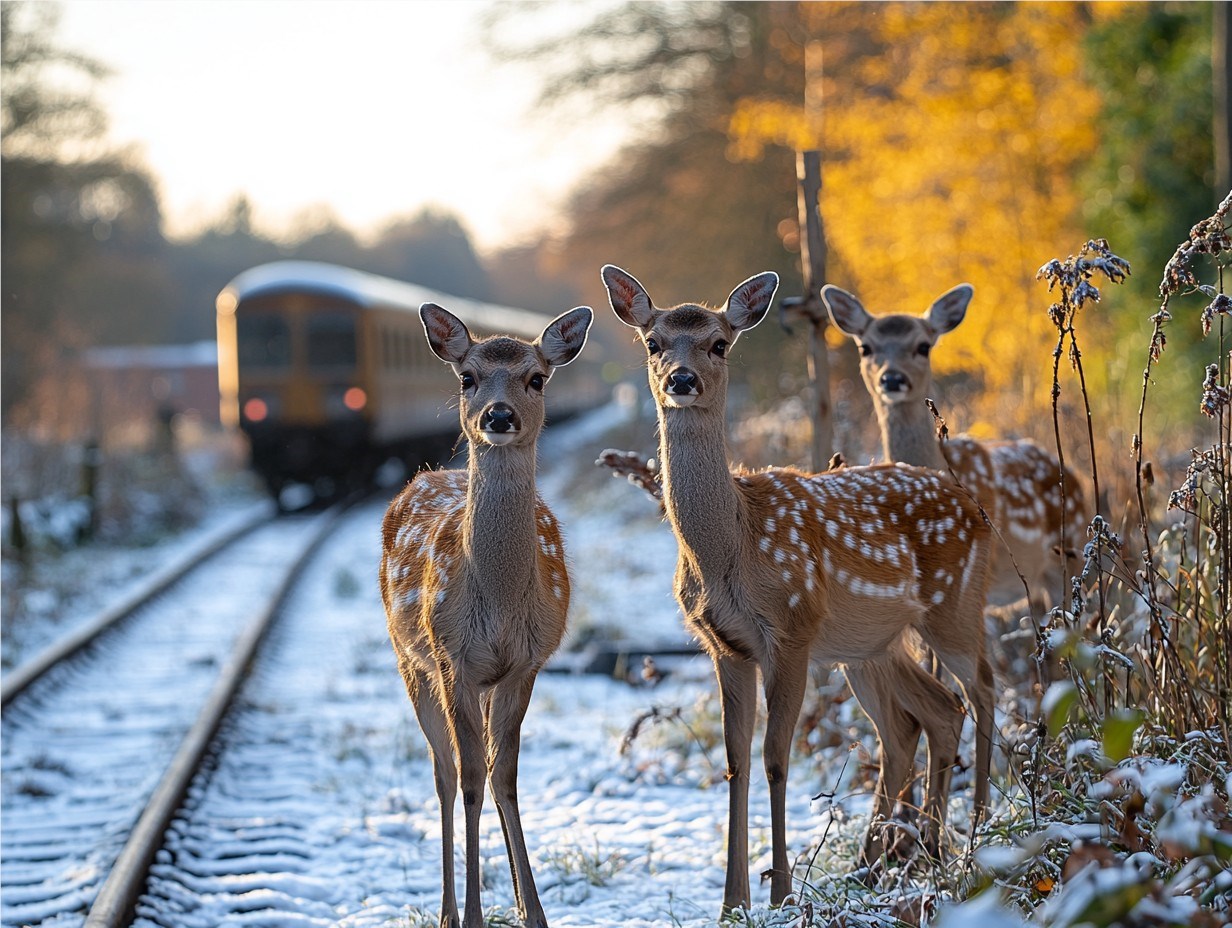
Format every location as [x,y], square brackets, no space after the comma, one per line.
[749,302]
[628,297]
[846,312]
[565,335]
[448,336]
[949,309]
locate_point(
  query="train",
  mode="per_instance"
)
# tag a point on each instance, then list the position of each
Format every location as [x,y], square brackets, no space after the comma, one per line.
[326,371]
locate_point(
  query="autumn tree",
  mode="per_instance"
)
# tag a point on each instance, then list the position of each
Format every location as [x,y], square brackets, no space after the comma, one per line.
[676,206]
[952,135]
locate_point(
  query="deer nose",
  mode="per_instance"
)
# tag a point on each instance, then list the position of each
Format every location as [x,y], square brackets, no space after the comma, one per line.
[500,418]
[894,382]
[682,382]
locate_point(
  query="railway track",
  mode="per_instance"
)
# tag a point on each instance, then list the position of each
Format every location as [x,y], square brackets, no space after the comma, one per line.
[101,743]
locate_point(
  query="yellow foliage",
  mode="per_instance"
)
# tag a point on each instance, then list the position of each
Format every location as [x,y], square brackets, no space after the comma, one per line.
[952,134]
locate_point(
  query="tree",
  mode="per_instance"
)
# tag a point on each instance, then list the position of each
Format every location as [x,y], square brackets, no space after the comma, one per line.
[42,117]
[430,248]
[952,134]
[1153,177]
[677,207]
[71,209]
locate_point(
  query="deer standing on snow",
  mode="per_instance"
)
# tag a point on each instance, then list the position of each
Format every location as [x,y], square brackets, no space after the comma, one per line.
[777,567]
[476,591]
[1017,482]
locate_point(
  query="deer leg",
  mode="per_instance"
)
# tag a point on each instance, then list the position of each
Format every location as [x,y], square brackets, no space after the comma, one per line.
[508,708]
[463,709]
[784,695]
[974,674]
[940,712]
[436,729]
[898,733]
[738,694]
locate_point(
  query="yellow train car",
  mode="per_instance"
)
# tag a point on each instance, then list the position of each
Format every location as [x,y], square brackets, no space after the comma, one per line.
[327,372]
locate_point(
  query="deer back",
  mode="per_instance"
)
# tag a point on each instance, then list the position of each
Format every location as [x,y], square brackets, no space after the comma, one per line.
[837,564]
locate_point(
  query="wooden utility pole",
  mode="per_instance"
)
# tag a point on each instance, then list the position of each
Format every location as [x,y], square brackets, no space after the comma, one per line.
[809,307]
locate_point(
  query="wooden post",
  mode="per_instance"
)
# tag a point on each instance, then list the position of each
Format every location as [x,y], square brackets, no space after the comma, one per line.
[809,306]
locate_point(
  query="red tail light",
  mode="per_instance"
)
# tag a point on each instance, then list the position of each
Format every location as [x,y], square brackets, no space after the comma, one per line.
[255,410]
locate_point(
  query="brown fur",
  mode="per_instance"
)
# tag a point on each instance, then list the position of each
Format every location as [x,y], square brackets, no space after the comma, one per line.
[779,567]
[476,591]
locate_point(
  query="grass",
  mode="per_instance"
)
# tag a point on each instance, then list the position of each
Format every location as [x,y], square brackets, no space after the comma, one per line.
[1117,809]
[1113,804]
[590,865]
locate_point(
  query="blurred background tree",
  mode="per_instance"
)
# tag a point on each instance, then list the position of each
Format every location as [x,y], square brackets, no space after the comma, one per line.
[433,249]
[1152,178]
[961,142]
[80,240]
[677,208]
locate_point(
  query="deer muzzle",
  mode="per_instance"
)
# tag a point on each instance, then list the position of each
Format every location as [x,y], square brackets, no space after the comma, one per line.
[681,387]
[499,424]
[894,386]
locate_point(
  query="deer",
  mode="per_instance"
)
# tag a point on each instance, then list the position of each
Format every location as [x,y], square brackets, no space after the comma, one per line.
[1018,482]
[476,590]
[777,568]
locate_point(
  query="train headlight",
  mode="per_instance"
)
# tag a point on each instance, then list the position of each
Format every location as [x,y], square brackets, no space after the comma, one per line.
[255,409]
[355,399]
[344,402]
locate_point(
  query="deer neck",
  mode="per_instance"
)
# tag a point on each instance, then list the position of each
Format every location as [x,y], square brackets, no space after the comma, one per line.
[699,494]
[908,435]
[499,534]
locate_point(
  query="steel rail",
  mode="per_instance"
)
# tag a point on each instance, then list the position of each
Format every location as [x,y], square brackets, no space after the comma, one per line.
[19,678]
[116,900]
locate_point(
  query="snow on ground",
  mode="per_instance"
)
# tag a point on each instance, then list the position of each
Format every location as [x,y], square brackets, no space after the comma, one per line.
[618,838]
[47,598]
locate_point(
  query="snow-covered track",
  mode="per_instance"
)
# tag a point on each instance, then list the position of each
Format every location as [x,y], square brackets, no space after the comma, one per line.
[16,680]
[99,751]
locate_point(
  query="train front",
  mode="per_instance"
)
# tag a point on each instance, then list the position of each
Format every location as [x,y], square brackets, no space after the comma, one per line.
[292,377]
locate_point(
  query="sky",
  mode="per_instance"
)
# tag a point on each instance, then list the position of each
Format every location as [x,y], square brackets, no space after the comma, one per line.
[367,109]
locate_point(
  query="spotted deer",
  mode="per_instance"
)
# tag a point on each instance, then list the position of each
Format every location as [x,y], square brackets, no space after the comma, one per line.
[778,567]
[475,588]
[1017,482]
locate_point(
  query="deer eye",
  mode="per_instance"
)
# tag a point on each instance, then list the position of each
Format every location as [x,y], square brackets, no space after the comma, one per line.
[866,351]
[922,349]
[720,348]
[652,346]
[467,379]
[536,382]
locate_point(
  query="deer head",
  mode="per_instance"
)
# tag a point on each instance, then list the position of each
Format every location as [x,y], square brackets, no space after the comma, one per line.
[894,349]
[502,378]
[687,346]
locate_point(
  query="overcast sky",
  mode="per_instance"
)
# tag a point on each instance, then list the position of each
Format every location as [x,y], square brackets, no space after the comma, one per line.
[372,109]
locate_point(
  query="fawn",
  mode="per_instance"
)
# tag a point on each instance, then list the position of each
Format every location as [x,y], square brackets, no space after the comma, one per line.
[1017,482]
[777,567]
[476,590]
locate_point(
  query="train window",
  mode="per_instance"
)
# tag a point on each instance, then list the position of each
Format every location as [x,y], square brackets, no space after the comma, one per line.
[331,340]
[263,340]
